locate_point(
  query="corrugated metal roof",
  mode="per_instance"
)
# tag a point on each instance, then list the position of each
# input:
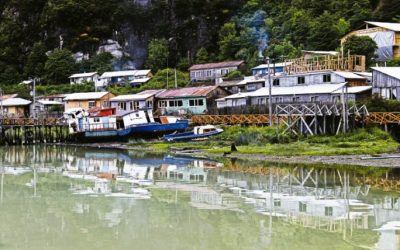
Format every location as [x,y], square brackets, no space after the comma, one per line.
[349,75]
[139,96]
[321,52]
[123,73]
[80,75]
[50,102]
[389,26]
[294,90]
[85,96]
[15,102]
[141,80]
[216,65]
[354,90]
[271,65]
[186,92]
[390,71]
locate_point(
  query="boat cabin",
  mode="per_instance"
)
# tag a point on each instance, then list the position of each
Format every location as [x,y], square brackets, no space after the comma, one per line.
[199,130]
[138,117]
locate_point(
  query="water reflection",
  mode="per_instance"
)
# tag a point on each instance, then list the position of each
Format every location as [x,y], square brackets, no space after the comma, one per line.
[261,205]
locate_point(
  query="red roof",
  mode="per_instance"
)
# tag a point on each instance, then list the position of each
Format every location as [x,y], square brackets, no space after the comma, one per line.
[187,92]
[216,65]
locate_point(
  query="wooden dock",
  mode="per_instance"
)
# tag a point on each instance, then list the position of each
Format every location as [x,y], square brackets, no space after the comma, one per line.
[25,131]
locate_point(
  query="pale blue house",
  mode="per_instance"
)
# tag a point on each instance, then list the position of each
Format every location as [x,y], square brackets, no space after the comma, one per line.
[194,100]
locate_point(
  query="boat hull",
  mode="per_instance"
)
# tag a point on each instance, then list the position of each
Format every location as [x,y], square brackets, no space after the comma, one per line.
[189,136]
[153,129]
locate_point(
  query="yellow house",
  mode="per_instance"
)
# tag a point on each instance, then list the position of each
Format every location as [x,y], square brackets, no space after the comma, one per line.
[15,106]
[88,100]
[386,36]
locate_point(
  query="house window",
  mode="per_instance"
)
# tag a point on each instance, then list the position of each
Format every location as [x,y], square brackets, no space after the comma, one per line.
[175,103]
[92,104]
[302,207]
[162,104]
[277,203]
[326,78]
[196,102]
[314,98]
[96,119]
[122,106]
[296,99]
[276,82]
[106,104]
[279,99]
[251,87]
[328,211]
[149,104]
[301,80]
[134,105]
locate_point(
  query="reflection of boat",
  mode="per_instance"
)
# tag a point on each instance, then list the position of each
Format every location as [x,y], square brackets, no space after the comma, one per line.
[200,132]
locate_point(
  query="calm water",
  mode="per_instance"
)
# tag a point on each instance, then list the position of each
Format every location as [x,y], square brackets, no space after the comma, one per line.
[68,198]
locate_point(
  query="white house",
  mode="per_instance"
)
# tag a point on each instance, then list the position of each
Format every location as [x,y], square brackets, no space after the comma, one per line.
[83,78]
[132,77]
[386,82]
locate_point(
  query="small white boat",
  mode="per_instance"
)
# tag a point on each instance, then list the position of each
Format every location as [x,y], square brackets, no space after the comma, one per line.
[198,133]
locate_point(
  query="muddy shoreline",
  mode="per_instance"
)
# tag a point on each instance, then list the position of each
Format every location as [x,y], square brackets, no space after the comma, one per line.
[351,160]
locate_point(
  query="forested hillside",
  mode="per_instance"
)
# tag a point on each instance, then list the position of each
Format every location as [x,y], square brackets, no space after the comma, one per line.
[191,30]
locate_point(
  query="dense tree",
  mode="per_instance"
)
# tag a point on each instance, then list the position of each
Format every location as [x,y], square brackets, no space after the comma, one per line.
[361,45]
[36,61]
[202,56]
[59,66]
[158,54]
[229,42]
[99,63]
[282,50]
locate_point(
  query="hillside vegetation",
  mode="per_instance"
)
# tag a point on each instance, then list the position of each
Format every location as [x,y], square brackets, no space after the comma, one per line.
[191,30]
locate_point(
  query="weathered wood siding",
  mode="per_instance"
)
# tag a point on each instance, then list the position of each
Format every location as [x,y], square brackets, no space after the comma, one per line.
[385,85]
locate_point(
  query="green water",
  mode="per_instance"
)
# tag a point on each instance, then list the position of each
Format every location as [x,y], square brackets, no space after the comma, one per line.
[51,199]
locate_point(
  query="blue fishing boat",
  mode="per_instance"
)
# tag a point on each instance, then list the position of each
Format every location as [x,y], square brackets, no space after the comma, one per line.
[141,124]
[198,133]
[106,125]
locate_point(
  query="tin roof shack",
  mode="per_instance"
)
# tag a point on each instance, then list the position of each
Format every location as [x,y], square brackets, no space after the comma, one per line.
[15,106]
[194,100]
[88,100]
[213,71]
[386,36]
[127,103]
[132,77]
[82,78]
[386,82]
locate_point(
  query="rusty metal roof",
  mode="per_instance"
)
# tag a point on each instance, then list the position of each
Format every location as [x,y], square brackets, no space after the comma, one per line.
[187,92]
[216,65]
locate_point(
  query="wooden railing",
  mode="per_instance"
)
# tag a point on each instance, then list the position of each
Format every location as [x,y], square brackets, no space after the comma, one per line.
[383,118]
[31,121]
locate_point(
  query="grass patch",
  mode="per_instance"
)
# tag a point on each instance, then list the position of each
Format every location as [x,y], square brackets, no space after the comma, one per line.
[272,141]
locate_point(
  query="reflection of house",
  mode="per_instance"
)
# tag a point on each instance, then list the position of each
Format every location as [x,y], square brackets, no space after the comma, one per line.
[386,35]
[88,100]
[142,100]
[15,106]
[194,100]
[386,82]
[211,71]
[172,172]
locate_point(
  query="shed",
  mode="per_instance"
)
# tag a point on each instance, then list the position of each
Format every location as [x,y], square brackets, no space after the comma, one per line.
[386,82]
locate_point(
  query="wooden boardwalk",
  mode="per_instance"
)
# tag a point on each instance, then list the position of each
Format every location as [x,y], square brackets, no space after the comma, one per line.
[32,130]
